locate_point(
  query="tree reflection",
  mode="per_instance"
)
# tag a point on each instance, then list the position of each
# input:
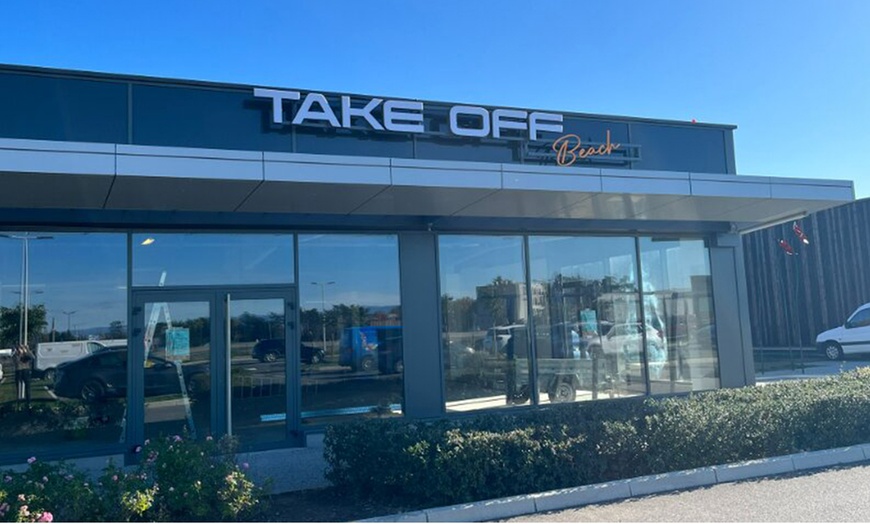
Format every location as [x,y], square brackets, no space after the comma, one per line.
[10,323]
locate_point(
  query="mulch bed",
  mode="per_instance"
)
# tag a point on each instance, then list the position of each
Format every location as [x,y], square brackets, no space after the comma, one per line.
[326,505]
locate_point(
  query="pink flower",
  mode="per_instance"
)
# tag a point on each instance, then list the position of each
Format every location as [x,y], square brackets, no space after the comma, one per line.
[45,517]
[45,479]
[147,441]
[209,438]
[31,460]
[137,449]
[176,438]
[7,478]
[115,478]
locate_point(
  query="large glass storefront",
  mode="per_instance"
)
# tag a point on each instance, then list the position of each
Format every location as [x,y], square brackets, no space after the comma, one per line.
[264,336]
[605,317]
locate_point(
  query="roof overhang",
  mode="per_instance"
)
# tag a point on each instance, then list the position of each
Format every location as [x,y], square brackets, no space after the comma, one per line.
[68,175]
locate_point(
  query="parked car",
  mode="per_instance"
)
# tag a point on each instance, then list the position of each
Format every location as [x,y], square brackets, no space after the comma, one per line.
[852,337]
[51,354]
[103,375]
[364,348]
[627,338]
[271,349]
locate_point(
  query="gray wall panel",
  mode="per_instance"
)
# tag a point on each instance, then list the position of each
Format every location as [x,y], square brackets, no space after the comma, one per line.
[420,318]
[731,309]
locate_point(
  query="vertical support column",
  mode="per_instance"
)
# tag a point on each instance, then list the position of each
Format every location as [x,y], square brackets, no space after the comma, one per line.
[421,321]
[731,305]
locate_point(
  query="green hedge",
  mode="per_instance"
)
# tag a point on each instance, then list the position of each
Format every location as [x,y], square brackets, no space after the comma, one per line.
[448,462]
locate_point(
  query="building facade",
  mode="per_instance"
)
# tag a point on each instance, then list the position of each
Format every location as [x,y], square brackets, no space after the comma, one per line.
[262,262]
[793,298]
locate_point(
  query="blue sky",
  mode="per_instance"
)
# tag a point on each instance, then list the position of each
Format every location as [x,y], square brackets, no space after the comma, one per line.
[793,76]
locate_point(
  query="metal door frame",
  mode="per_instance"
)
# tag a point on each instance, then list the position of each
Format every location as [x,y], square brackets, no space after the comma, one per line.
[216,297]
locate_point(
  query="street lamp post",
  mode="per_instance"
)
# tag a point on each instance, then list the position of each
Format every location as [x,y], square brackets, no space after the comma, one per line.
[323,305]
[25,280]
[69,314]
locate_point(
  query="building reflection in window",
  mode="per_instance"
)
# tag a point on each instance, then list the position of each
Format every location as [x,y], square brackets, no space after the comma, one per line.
[351,327]
[485,340]
[74,288]
[678,302]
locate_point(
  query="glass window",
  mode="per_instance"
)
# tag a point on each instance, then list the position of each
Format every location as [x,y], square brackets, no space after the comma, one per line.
[65,296]
[351,327]
[485,344]
[203,259]
[678,313]
[587,334]
[860,319]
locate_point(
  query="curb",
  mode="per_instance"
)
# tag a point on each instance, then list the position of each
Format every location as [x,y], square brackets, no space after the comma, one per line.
[635,487]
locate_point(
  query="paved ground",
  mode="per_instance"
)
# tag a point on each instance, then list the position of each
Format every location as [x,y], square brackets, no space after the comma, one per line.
[775,364]
[833,495]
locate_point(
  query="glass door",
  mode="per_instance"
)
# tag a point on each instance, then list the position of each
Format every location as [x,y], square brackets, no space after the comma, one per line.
[214,361]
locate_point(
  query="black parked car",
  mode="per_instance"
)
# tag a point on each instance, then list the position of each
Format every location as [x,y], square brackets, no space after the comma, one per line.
[271,349]
[103,375]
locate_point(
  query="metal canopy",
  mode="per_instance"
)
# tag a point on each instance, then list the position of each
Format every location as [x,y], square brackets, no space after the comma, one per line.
[64,175]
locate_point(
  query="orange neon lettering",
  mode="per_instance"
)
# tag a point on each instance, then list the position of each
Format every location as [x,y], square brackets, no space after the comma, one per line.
[569,148]
[561,147]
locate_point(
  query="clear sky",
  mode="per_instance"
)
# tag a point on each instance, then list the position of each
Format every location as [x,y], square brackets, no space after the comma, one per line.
[793,76]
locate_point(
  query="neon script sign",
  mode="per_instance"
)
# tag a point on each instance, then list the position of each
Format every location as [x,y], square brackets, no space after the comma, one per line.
[570,148]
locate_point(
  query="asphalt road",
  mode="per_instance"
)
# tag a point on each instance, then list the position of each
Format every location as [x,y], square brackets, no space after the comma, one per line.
[832,495]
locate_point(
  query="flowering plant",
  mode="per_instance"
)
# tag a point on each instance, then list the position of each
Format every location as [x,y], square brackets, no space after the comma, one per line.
[46,492]
[177,479]
[198,480]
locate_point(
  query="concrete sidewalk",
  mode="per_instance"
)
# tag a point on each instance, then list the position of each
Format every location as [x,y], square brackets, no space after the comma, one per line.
[829,495]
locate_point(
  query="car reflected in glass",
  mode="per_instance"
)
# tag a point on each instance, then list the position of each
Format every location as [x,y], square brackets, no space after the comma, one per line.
[103,375]
[271,349]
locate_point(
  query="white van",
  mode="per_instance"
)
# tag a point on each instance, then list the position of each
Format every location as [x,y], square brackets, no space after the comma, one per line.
[50,354]
[851,337]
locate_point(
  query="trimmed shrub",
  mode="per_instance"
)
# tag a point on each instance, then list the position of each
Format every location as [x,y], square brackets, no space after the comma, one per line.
[446,462]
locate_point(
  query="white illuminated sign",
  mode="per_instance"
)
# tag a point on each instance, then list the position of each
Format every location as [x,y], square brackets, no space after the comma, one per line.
[406,116]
